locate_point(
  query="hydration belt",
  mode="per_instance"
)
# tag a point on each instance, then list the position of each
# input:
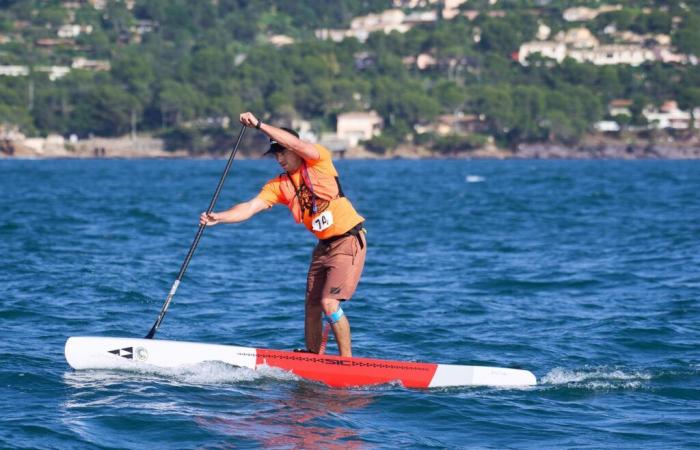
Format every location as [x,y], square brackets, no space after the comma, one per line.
[354,231]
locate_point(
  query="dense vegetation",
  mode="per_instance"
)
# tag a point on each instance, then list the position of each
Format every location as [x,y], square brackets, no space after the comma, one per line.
[210,58]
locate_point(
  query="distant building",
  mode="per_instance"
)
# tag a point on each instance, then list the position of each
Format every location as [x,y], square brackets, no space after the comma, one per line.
[421,17]
[423,61]
[209,122]
[454,124]
[14,71]
[583,14]
[543,32]
[144,26]
[280,40]
[632,55]
[450,8]
[327,34]
[73,30]
[669,116]
[361,27]
[54,42]
[607,126]
[580,45]
[577,38]
[336,145]
[620,107]
[98,4]
[579,14]
[386,21]
[364,60]
[358,126]
[91,64]
[55,72]
[548,49]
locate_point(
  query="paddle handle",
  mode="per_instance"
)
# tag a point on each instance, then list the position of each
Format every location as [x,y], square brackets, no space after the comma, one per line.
[197,237]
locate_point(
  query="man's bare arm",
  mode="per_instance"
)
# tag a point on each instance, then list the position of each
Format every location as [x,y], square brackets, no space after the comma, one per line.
[306,150]
[238,213]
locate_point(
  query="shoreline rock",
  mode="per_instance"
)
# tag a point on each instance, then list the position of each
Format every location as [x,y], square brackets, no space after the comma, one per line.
[145,146]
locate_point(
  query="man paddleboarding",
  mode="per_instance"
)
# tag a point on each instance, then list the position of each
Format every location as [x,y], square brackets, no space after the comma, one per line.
[310,188]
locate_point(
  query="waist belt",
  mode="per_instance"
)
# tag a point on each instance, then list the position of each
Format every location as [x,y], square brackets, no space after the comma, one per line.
[354,231]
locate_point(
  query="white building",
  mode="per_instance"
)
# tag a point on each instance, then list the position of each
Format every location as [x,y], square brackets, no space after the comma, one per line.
[55,72]
[620,107]
[358,126]
[607,126]
[613,54]
[581,45]
[386,21]
[579,14]
[548,49]
[422,62]
[73,30]
[361,27]
[421,17]
[91,64]
[14,71]
[582,14]
[670,116]
[280,40]
[577,38]
[543,32]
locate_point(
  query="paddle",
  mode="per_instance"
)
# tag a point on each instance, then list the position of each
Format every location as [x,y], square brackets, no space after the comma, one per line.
[197,237]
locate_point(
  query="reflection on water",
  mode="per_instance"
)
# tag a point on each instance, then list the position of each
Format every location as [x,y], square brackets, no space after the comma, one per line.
[309,417]
[296,414]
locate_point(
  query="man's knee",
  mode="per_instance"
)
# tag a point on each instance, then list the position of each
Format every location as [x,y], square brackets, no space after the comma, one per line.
[330,305]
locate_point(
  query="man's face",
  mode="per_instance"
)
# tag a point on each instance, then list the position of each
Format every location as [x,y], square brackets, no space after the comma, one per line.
[288,160]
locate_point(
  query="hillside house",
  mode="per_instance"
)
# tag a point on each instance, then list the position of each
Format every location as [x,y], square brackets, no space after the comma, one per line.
[613,54]
[548,49]
[669,116]
[91,64]
[55,72]
[73,30]
[620,107]
[14,71]
[584,14]
[577,38]
[358,126]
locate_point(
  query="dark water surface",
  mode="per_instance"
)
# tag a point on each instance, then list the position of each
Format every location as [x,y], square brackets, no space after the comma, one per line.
[585,273]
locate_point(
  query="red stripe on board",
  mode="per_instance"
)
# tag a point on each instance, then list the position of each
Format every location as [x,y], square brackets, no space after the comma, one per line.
[339,371]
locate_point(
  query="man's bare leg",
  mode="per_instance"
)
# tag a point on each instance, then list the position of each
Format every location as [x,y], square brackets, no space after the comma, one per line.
[341,329]
[313,327]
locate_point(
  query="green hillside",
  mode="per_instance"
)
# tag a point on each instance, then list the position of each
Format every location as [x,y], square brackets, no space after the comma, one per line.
[176,67]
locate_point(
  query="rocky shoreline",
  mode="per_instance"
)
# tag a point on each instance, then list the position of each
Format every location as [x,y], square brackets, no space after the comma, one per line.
[145,147]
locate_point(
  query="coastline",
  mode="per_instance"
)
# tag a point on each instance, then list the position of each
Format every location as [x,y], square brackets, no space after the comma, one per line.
[594,146]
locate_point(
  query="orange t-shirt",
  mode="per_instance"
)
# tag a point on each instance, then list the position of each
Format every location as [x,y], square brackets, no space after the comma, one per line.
[334,215]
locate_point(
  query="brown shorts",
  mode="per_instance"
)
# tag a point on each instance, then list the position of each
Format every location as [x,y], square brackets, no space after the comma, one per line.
[336,268]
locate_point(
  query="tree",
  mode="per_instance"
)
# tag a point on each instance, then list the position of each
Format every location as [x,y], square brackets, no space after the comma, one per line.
[178,102]
[103,109]
[689,98]
[687,37]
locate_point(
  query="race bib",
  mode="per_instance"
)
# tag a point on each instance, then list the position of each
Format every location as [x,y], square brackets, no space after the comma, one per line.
[322,221]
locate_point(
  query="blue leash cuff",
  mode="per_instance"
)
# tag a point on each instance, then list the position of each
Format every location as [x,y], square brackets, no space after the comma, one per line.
[335,317]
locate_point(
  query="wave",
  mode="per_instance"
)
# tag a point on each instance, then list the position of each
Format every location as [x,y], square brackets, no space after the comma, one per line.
[596,378]
[201,374]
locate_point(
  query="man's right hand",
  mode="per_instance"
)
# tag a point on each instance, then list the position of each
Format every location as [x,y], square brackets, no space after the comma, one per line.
[248,119]
[209,219]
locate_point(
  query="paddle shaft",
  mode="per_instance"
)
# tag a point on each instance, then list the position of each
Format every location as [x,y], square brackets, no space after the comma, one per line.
[195,242]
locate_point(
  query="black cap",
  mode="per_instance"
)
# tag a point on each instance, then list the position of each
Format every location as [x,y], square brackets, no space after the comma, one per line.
[275,147]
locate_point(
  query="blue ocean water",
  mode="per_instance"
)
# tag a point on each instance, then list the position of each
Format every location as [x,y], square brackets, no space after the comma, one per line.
[584,272]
